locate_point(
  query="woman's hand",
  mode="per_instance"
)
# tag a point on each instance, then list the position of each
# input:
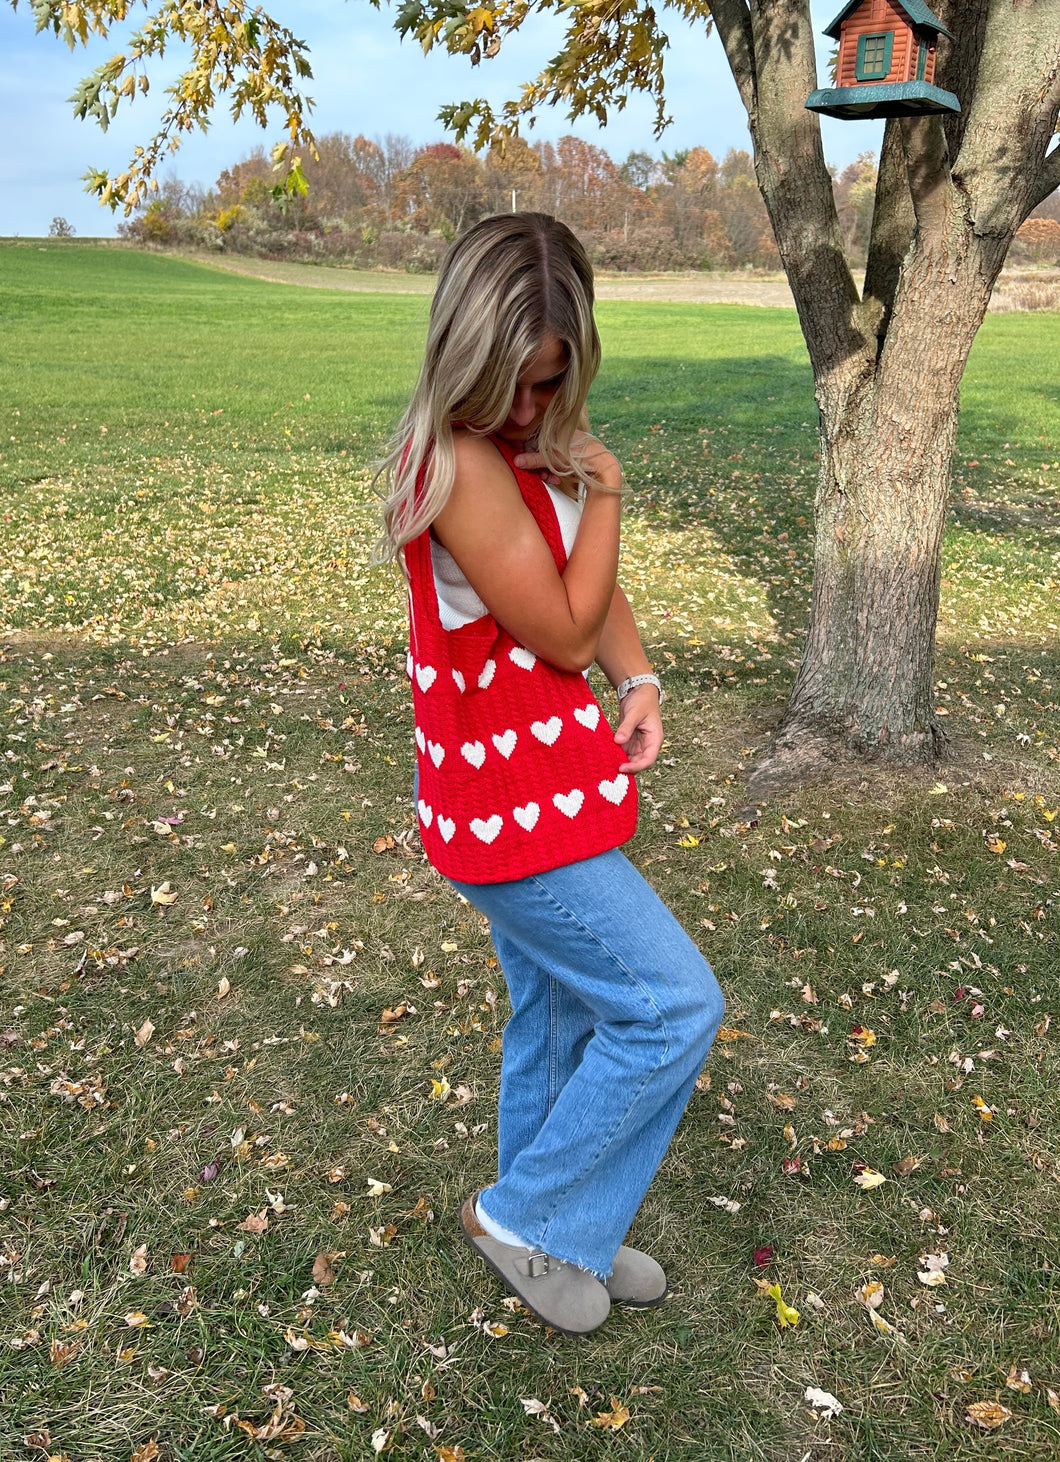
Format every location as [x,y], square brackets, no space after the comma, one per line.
[589,456]
[640,731]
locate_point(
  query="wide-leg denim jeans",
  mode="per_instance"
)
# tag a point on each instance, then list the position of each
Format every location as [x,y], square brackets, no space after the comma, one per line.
[613,1012]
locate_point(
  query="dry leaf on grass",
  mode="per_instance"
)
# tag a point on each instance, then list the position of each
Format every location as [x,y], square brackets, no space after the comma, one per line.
[824,1402]
[1018,1379]
[613,1419]
[323,1274]
[533,1407]
[988,1414]
[870,1294]
[450,1454]
[141,1038]
[254,1223]
[147,1453]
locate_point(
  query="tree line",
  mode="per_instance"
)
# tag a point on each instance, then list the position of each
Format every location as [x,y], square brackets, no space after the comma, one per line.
[386,202]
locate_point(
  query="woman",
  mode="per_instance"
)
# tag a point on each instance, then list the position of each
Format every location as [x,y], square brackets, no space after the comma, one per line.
[506,513]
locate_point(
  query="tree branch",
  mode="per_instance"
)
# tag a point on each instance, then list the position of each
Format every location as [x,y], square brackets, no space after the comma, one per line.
[893,222]
[927,158]
[733,22]
[797,187]
[1047,181]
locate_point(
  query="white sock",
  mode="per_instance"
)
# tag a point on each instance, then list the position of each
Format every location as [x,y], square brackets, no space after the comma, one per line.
[496,1230]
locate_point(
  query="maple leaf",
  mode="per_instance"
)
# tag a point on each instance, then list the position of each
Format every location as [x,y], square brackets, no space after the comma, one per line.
[613,1419]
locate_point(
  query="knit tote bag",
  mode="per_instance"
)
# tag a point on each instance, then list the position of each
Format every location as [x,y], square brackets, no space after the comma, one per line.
[518,766]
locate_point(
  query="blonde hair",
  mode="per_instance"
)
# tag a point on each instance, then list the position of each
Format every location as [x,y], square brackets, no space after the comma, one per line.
[509,282]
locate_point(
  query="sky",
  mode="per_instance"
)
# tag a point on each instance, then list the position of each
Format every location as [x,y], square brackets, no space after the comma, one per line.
[365,81]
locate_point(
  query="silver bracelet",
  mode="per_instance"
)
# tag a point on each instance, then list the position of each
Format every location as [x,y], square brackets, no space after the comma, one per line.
[632,681]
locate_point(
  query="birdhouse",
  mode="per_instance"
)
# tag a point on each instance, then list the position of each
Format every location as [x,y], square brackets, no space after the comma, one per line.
[886,64]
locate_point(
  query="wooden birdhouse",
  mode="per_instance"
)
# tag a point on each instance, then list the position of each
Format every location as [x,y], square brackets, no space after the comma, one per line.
[886,64]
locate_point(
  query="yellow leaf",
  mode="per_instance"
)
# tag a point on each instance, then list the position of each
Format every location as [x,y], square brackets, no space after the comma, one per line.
[613,1419]
[376,1187]
[785,1314]
[439,1089]
[869,1178]
[880,1324]
[163,894]
[986,1112]
[996,845]
[137,1320]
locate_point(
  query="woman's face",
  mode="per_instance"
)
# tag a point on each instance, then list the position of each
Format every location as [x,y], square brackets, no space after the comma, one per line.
[535,387]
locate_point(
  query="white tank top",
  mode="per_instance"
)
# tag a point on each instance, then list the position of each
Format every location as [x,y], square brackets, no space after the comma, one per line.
[458,604]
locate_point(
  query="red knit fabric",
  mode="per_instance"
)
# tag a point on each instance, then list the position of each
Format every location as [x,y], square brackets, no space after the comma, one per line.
[518,767]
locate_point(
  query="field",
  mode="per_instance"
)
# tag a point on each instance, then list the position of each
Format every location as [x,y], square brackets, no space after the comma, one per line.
[249,1041]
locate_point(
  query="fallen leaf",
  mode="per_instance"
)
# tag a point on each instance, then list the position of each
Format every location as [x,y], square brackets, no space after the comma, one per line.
[988,1414]
[355,1403]
[254,1223]
[323,1274]
[613,1419]
[223,987]
[138,1262]
[376,1187]
[869,1178]
[449,1454]
[786,1315]
[141,1038]
[533,1407]
[824,1402]
[906,1165]
[727,1033]
[146,1453]
[763,1255]
[164,894]
[870,1294]
[137,1320]
[1018,1380]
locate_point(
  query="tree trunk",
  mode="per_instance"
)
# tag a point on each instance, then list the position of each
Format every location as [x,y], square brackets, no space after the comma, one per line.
[866,681]
[887,365]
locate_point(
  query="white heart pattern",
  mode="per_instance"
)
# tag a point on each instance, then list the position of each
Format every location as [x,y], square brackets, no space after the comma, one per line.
[570,803]
[588,716]
[489,670]
[616,790]
[446,826]
[437,752]
[527,816]
[506,744]
[524,658]
[487,830]
[474,752]
[460,683]
[421,741]
[408,664]
[547,731]
[426,813]
[426,675]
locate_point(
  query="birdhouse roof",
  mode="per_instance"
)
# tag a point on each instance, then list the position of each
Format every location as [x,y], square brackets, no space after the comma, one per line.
[917,11]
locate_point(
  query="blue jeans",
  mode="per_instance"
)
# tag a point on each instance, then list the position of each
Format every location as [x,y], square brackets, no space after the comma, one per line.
[613,1012]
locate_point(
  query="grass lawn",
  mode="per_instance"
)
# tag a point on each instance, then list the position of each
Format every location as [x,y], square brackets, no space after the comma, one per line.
[249,1041]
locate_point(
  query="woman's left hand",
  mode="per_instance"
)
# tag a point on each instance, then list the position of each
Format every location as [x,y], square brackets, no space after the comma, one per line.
[640,731]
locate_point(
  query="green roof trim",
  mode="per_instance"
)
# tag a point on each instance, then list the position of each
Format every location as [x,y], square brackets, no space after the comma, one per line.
[885,99]
[917,11]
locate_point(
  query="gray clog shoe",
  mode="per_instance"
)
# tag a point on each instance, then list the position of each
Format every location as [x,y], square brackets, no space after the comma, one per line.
[567,1298]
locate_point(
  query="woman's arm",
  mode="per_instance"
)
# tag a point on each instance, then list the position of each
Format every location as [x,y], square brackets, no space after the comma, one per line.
[619,655]
[499,548]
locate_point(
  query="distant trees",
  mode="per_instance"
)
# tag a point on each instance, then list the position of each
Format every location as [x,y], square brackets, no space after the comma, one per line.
[385,201]
[59,228]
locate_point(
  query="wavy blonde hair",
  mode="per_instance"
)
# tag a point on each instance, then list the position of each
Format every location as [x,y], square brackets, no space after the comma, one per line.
[504,286]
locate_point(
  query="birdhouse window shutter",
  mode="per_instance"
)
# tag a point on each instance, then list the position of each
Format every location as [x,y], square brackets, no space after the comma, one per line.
[873,60]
